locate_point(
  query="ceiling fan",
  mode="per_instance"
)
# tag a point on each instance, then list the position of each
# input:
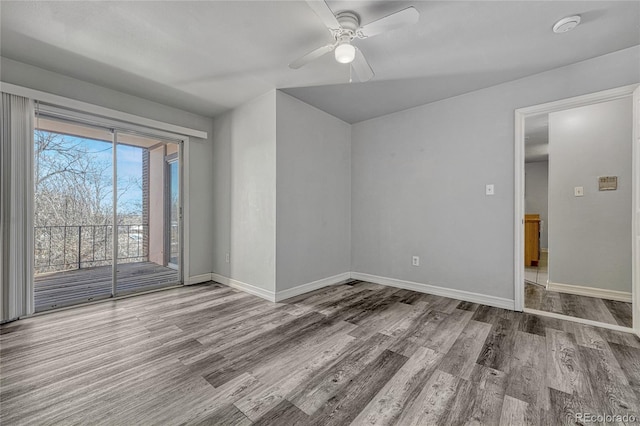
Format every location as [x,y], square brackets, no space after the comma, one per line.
[345,27]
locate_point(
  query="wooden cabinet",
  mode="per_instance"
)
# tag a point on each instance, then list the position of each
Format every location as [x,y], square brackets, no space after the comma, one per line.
[531,239]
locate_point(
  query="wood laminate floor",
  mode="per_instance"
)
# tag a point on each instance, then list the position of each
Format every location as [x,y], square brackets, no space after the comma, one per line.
[60,289]
[592,308]
[357,353]
[538,274]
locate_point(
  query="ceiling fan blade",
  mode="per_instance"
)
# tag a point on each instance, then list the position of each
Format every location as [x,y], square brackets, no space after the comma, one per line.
[324,13]
[399,19]
[361,67]
[312,56]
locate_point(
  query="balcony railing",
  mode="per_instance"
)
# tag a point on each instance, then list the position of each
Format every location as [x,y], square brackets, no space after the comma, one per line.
[66,247]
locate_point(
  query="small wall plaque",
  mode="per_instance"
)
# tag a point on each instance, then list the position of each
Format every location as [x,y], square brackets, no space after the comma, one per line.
[608,183]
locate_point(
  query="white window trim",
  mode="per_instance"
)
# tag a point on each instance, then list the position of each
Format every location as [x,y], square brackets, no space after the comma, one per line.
[99,111]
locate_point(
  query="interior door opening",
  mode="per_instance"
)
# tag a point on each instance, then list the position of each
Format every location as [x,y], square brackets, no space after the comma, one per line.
[577,191]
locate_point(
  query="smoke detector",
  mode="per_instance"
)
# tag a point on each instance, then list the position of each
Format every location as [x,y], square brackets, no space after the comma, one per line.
[566,24]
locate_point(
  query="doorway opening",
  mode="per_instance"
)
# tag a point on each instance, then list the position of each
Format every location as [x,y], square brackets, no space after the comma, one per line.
[576,209]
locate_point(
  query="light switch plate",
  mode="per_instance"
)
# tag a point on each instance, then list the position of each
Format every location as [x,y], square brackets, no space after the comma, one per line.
[578,191]
[489,189]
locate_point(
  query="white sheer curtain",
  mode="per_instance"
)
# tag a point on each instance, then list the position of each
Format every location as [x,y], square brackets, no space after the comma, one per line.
[16,207]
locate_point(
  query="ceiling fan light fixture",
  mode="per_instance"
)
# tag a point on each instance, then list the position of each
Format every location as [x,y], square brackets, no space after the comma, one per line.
[345,53]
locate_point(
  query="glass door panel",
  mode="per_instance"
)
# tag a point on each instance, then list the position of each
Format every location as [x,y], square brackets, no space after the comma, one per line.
[73,170]
[144,190]
[173,206]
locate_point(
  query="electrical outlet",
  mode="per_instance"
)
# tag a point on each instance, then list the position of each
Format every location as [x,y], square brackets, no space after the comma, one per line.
[415,261]
[489,189]
[226,257]
[578,191]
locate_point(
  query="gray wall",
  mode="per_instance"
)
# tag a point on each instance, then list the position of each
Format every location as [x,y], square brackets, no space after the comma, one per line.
[536,195]
[221,190]
[590,236]
[313,194]
[199,151]
[418,179]
[244,188]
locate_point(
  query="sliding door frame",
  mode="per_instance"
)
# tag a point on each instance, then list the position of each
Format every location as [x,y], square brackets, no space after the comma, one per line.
[181,200]
[170,160]
[114,127]
[114,219]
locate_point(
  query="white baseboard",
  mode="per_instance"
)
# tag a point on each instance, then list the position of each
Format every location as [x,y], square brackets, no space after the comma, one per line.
[601,293]
[315,285]
[248,288]
[467,296]
[197,279]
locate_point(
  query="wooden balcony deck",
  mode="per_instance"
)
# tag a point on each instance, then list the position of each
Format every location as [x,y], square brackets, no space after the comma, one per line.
[59,289]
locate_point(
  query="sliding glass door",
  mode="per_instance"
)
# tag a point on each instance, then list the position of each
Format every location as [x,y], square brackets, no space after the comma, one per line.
[73,213]
[147,204]
[107,213]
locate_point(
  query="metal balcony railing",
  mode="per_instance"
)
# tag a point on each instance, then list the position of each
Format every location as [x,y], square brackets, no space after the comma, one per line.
[65,247]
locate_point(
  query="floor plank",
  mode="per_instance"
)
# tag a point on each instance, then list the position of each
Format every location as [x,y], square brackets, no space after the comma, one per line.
[629,360]
[498,346]
[311,396]
[527,378]
[464,352]
[432,402]
[401,390]
[478,400]
[565,371]
[517,412]
[347,403]
[610,390]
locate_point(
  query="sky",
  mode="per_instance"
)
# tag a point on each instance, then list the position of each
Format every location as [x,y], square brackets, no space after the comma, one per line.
[129,167]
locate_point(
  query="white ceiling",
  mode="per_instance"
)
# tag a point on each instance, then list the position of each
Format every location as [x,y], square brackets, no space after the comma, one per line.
[207,57]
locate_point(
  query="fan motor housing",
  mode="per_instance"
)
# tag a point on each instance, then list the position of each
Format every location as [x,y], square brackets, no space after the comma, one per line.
[348,20]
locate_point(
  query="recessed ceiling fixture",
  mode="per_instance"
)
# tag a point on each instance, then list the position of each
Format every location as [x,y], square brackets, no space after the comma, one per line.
[566,24]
